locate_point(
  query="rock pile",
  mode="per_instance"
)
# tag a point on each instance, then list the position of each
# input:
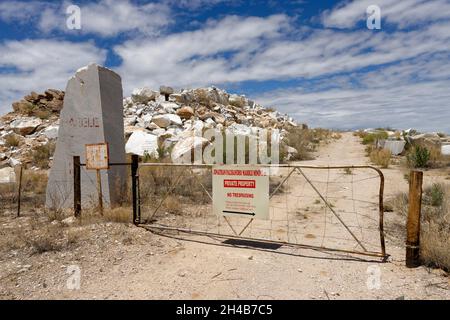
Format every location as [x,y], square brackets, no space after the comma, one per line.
[152,119]
[398,140]
[167,116]
[32,124]
[35,104]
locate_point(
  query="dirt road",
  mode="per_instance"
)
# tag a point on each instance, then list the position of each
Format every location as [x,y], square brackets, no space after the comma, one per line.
[125,262]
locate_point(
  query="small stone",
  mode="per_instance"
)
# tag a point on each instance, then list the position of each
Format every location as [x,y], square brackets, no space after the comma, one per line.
[185,112]
[69,221]
[166,90]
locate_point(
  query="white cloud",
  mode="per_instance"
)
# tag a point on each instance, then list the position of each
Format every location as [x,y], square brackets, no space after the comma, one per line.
[403,13]
[36,65]
[402,95]
[350,76]
[423,106]
[22,11]
[105,18]
[199,57]
[369,76]
[238,49]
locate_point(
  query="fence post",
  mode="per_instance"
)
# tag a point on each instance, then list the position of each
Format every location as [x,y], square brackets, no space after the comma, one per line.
[413,223]
[76,186]
[134,169]
[19,192]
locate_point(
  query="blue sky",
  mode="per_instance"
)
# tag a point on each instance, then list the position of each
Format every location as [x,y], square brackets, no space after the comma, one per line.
[315,60]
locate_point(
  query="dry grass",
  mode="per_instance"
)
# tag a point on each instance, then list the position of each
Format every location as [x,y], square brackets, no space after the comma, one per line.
[435,231]
[34,185]
[155,182]
[435,223]
[381,157]
[172,205]
[25,108]
[12,140]
[437,159]
[43,114]
[118,215]
[398,204]
[8,196]
[40,156]
[306,141]
[34,181]
[371,138]
[48,238]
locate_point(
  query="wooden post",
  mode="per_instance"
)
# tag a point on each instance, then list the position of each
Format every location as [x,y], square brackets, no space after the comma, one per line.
[19,192]
[76,187]
[100,192]
[413,223]
[134,169]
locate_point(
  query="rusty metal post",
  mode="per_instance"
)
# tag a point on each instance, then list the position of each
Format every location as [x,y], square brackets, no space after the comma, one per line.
[381,216]
[134,169]
[413,223]
[100,192]
[76,186]
[19,192]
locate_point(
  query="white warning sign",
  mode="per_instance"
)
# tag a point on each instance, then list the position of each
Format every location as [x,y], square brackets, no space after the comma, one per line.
[241,191]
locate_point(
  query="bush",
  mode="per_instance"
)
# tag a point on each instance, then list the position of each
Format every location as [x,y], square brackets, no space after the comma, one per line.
[305,141]
[434,195]
[418,157]
[45,239]
[435,231]
[118,215]
[41,155]
[381,157]
[43,114]
[35,182]
[12,140]
[435,227]
[371,138]
[26,108]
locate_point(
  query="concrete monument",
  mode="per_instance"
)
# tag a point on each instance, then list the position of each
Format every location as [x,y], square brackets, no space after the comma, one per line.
[92,113]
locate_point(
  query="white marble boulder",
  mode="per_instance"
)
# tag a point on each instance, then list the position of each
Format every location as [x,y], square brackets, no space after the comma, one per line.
[92,113]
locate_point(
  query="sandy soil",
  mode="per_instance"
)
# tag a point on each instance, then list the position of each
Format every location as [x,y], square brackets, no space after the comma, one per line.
[120,261]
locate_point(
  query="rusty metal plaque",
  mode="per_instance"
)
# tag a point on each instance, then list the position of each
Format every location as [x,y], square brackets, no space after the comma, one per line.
[97,156]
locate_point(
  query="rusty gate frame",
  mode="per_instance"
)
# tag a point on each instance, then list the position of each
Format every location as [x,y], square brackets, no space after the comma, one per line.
[135,167]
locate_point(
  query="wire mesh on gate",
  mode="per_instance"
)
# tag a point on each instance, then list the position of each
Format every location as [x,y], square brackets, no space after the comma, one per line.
[337,208]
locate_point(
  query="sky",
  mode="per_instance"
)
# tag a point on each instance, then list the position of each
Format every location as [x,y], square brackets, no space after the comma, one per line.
[315,60]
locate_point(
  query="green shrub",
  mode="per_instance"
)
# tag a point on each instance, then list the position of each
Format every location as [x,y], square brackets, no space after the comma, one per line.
[41,155]
[418,157]
[434,195]
[371,138]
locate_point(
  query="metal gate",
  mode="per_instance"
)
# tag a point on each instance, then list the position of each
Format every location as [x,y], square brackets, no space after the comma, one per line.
[326,208]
